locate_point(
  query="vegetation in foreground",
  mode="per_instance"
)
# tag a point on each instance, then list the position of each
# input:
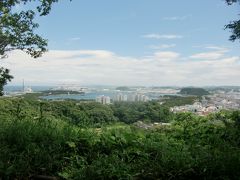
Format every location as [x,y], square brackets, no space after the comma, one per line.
[73,140]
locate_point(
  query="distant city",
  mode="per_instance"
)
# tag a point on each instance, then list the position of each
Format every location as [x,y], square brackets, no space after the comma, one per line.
[123,98]
[216,99]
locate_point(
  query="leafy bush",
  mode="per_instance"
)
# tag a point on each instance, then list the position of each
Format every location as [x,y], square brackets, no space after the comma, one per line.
[33,147]
[50,138]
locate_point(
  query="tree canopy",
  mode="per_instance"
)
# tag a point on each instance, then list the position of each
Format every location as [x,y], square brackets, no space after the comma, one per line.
[17,30]
[231,1]
[234,26]
[194,91]
[4,78]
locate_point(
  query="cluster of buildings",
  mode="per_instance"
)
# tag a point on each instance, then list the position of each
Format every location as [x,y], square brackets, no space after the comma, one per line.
[226,100]
[212,103]
[197,108]
[131,97]
[103,99]
[122,98]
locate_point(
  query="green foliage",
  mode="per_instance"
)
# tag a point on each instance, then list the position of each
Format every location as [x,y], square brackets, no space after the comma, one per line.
[230,2]
[32,146]
[193,149]
[17,31]
[170,101]
[82,114]
[130,112]
[17,28]
[233,26]
[60,139]
[4,78]
[32,96]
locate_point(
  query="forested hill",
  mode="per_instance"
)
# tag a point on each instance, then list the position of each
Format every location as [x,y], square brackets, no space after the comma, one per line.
[194,91]
[123,88]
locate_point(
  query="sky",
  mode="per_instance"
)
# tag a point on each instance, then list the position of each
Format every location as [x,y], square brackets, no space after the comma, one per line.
[133,42]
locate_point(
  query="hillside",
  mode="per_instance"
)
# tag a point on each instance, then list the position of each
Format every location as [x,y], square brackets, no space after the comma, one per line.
[193,91]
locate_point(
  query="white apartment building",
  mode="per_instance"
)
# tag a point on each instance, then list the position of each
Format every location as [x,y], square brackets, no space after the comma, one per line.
[103,99]
[121,97]
[131,97]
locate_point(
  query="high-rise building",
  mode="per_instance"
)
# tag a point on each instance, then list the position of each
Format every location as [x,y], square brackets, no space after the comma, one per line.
[120,97]
[131,97]
[103,99]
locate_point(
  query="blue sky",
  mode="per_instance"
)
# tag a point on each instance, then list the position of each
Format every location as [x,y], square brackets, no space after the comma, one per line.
[119,25]
[176,34]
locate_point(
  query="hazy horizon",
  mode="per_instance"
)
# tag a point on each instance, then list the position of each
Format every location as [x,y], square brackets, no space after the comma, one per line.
[114,86]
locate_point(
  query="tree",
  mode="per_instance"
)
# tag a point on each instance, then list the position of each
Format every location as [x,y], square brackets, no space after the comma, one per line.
[17,31]
[234,26]
[4,78]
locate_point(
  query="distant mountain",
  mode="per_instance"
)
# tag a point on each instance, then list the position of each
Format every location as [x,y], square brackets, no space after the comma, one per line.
[123,88]
[193,91]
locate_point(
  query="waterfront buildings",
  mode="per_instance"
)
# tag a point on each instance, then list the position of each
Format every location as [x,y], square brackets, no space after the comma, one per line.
[122,98]
[212,103]
[103,99]
[131,98]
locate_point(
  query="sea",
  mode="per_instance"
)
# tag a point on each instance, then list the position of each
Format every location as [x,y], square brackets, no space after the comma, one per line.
[89,95]
[86,96]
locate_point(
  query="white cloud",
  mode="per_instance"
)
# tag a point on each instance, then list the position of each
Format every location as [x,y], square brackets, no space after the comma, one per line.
[92,67]
[162,36]
[77,54]
[218,48]
[208,55]
[166,55]
[213,47]
[216,53]
[162,46]
[176,18]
